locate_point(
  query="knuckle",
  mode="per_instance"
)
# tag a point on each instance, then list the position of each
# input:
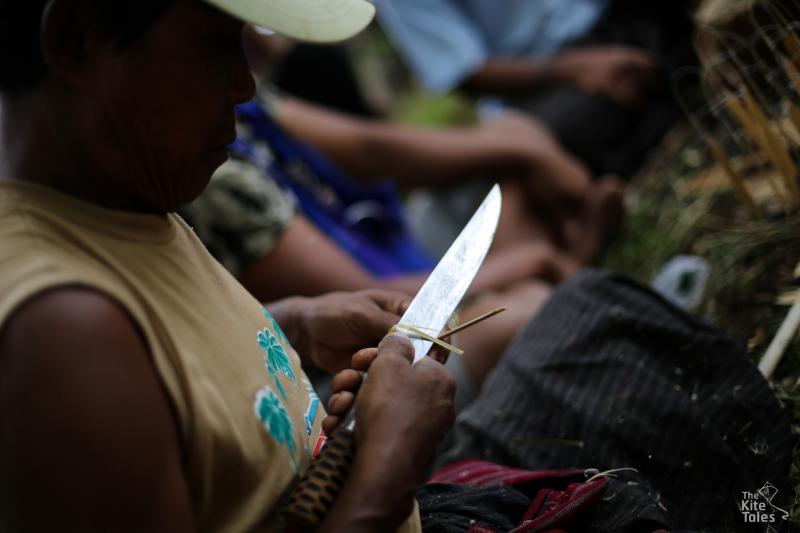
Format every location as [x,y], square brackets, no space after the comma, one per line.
[449,383]
[363,357]
[344,379]
[437,376]
[386,363]
[360,315]
[396,342]
[334,399]
[345,399]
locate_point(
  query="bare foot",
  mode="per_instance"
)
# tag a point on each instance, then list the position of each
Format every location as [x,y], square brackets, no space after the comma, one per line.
[604,213]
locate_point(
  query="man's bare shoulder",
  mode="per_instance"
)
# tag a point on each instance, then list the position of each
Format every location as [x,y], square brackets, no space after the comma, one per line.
[84,422]
[66,312]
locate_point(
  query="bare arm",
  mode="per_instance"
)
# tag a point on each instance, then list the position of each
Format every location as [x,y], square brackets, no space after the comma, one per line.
[623,74]
[305,262]
[514,146]
[513,76]
[88,440]
[413,157]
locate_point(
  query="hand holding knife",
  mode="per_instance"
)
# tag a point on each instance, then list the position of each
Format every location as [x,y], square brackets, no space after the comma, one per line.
[429,312]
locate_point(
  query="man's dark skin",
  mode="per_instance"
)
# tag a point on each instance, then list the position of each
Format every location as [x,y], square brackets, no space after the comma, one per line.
[621,73]
[88,437]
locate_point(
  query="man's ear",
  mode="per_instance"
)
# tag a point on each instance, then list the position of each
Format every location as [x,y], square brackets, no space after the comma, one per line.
[68,39]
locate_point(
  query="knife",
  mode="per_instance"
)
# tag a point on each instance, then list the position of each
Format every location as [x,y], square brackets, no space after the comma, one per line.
[429,311]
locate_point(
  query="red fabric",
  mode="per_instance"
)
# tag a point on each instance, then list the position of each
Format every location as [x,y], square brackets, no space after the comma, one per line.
[475,528]
[552,509]
[482,474]
[563,507]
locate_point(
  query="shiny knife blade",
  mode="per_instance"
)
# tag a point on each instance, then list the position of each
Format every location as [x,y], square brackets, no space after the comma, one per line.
[446,285]
[435,302]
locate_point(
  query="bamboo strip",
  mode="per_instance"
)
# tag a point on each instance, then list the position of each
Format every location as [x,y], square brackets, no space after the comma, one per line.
[472,322]
[750,124]
[769,362]
[792,73]
[794,117]
[792,45]
[738,183]
[775,147]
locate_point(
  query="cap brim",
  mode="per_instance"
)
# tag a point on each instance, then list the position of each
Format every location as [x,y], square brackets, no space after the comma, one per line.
[308,20]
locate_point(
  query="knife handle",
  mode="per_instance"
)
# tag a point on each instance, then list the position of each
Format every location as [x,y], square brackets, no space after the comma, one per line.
[313,498]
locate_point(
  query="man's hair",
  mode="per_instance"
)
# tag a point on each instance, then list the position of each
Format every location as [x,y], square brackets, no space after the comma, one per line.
[22,66]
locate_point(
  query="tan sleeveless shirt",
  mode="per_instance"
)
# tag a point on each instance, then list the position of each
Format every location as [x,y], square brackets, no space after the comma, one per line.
[249,419]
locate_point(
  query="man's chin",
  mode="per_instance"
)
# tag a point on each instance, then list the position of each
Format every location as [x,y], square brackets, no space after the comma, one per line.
[197,181]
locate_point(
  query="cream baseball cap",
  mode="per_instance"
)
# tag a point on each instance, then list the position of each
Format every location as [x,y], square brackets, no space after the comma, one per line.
[307,20]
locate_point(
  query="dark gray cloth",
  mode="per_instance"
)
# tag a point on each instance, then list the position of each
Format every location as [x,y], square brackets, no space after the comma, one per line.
[610,375]
[446,508]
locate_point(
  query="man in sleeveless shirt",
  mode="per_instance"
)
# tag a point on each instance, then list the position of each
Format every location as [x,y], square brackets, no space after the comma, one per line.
[142,388]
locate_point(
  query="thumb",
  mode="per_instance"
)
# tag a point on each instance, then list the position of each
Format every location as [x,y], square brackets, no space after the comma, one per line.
[396,345]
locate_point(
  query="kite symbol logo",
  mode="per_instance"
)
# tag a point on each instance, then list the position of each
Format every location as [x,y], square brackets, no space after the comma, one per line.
[757,507]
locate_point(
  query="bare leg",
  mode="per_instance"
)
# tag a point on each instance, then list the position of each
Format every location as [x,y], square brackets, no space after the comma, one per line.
[532,260]
[518,223]
[529,251]
[484,343]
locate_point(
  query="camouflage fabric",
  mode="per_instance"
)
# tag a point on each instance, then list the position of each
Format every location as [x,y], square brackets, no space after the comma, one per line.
[240,216]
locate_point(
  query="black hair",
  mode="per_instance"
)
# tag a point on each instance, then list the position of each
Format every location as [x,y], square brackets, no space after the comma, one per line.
[22,66]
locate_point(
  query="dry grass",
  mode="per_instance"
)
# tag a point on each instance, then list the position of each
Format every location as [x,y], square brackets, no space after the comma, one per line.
[676,207]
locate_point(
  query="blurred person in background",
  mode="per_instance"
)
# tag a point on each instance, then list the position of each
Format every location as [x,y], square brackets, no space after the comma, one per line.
[550,189]
[595,72]
[446,170]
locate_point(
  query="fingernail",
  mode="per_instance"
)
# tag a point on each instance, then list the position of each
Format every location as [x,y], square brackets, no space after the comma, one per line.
[398,334]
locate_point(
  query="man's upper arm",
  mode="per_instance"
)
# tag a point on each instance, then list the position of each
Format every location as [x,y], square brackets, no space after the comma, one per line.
[88,441]
[305,263]
[437,38]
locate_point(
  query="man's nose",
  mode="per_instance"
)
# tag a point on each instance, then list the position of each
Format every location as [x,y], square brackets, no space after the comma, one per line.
[242,84]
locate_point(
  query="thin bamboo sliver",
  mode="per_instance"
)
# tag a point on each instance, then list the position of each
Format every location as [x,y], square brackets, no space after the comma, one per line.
[738,184]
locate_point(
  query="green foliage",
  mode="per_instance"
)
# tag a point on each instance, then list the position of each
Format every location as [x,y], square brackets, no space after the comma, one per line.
[419,108]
